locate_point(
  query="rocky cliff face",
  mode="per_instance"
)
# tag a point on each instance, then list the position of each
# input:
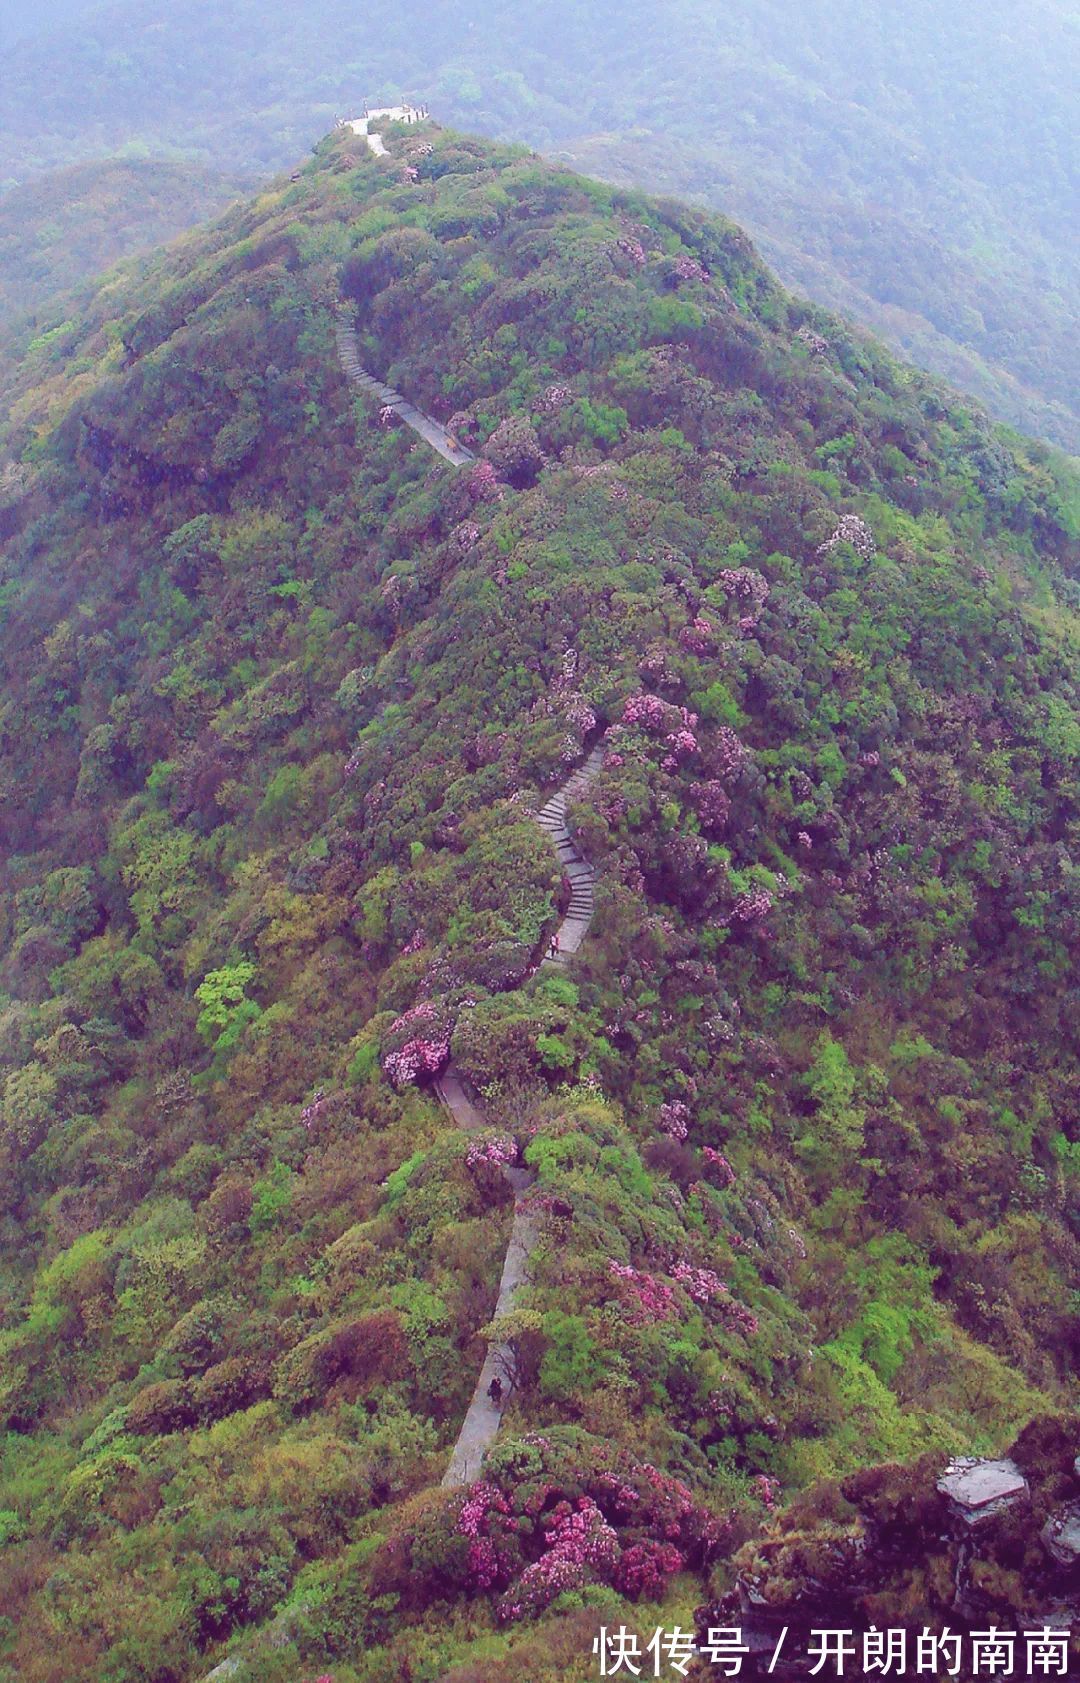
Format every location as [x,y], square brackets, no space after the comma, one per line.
[962,1546]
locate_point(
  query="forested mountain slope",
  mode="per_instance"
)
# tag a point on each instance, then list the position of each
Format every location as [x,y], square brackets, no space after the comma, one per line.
[916,164]
[280,690]
[68,224]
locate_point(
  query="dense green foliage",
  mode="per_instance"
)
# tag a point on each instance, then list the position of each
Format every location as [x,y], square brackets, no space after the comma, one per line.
[914,165]
[277,687]
[72,223]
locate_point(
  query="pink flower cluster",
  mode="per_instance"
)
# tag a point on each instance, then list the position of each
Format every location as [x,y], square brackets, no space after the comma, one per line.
[804,840]
[425,1048]
[701,1283]
[497,1149]
[416,942]
[633,249]
[721,1172]
[854,531]
[645,1567]
[767,1491]
[815,344]
[650,1299]
[681,743]
[488,1564]
[483,483]
[749,589]
[713,805]
[553,399]
[387,415]
[581,1548]
[648,711]
[728,754]
[698,637]
[311,1111]
[752,907]
[870,759]
[466,536]
[675,1119]
[688,268]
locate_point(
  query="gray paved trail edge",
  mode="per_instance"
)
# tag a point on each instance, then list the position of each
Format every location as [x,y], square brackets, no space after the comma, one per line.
[430,431]
[483,1418]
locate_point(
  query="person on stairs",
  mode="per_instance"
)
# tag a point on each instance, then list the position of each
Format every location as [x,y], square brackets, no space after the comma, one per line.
[553,948]
[495,1391]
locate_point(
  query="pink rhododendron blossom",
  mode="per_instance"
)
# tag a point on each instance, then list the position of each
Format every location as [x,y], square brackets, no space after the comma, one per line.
[720,1171]
[698,637]
[767,1491]
[748,589]
[854,531]
[425,1045]
[483,483]
[497,1149]
[728,753]
[675,1119]
[701,1283]
[582,1548]
[688,268]
[650,1299]
[752,907]
[682,743]
[646,711]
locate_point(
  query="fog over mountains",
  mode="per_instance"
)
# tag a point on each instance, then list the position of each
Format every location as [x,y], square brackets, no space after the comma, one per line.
[915,166]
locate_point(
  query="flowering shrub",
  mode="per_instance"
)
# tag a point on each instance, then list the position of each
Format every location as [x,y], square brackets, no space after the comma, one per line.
[854,531]
[483,484]
[698,637]
[498,1150]
[485,1518]
[701,1283]
[720,1171]
[815,344]
[465,537]
[675,1119]
[310,1113]
[682,742]
[752,907]
[712,803]
[644,1569]
[553,399]
[514,449]
[650,1299]
[804,840]
[728,754]
[632,248]
[748,589]
[647,711]
[581,1548]
[423,1036]
[689,269]
[767,1491]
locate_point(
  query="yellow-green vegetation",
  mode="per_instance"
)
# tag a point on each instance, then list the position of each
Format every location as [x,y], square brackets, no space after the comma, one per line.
[279,688]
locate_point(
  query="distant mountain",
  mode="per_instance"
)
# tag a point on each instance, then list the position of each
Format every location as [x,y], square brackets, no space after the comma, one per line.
[916,163]
[798,1126]
[67,224]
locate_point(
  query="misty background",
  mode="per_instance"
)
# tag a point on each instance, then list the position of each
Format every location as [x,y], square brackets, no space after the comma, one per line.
[914,166]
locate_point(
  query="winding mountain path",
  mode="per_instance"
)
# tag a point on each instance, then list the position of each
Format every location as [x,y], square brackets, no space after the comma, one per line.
[349,355]
[483,1418]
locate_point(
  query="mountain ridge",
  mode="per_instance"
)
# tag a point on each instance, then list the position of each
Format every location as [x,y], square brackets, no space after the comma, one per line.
[281,689]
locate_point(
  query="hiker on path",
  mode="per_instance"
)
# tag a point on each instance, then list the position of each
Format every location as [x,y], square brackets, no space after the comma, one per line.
[495,1390]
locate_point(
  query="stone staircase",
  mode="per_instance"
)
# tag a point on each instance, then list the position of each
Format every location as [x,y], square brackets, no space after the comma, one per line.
[348,348]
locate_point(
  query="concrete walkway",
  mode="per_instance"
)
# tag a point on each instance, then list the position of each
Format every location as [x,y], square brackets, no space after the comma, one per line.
[483,1418]
[434,434]
[385,113]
